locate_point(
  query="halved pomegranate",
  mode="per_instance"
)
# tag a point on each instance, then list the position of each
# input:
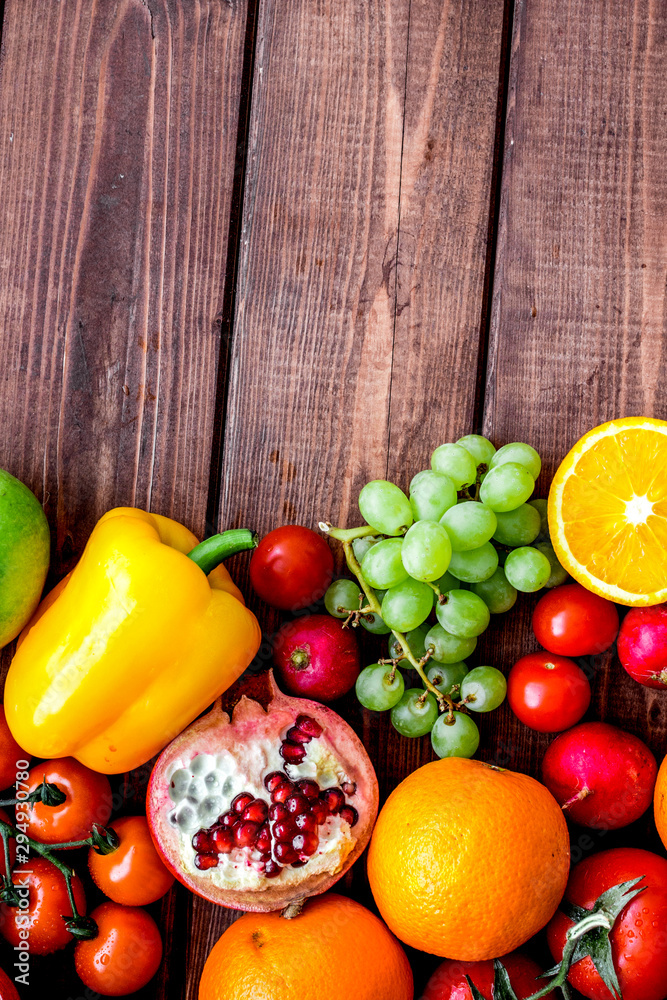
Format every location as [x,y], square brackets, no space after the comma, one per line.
[262,809]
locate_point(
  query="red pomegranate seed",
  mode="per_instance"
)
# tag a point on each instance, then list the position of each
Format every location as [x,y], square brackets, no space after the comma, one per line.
[272,868]
[263,842]
[298,735]
[298,864]
[305,843]
[308,725]
[278,811]
[282,792]
[223,839]
[204,861]
[320,812]
[257,811]
[293,753]
[241,801]
[305,822]
[334,800]
[284,830]
[309,788]
[297,804]
[349,814]
[229,818]
[349,787]
[202,842]
[245,834]
[272,780]
[285,853]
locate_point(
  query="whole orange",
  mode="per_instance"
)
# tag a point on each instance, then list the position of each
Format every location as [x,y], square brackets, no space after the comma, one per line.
[468,860]
[334,947]
[660,802]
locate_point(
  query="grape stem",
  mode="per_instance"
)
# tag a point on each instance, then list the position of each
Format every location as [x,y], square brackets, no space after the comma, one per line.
[346,534]
[443,701]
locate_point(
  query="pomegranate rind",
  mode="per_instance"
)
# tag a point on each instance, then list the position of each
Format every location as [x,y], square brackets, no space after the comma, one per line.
[216,732]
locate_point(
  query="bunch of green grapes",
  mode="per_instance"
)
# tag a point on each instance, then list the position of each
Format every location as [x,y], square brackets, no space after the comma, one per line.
[460,547]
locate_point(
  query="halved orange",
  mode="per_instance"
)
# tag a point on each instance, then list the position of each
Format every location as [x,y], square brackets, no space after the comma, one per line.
[608,511]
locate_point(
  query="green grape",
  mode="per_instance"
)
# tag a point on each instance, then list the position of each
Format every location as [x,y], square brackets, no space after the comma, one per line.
[484,689]
[460,738]
[426,551]
[415,713]
[341,598]
[497,592]
[382,565]
[446,582]
[517,527]
[385,507]
[431,494]
[377,690]
[527,569]
[448,648]
[506,487]
[463,613]
[474,565]
[540,506]
[360,546]
[520,454]
[457,463]
[558,574]
[407,605]
[469,525]
[479,447]
[415,640]
[373,623]
[446,677]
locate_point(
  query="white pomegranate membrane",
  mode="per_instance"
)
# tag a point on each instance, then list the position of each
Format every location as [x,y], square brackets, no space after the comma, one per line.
[298,811]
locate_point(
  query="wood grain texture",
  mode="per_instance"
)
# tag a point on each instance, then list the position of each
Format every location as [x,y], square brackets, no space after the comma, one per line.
[361,273]
[580,308]
[116,167]
[117,156]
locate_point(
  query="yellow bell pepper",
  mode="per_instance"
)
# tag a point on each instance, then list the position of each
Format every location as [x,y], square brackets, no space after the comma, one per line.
[129,648]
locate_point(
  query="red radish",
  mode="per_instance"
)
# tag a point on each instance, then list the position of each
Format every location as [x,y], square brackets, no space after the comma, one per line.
[602,776]
[316,657]
[642,645]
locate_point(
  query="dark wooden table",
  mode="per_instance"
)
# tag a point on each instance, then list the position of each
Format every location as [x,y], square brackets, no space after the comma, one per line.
[254,253]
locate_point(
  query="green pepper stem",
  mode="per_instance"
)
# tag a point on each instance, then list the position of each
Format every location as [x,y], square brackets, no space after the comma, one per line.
[211,552]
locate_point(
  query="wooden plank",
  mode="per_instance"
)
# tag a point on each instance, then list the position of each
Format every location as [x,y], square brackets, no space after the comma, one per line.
[117,166]
[579,311]
[361,270]
[450,120]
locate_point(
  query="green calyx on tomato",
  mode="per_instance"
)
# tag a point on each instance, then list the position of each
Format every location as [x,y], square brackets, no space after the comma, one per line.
[587,937]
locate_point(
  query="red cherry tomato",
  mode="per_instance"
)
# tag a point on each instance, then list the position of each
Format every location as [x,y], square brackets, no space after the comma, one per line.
[133,875]
[41,923]
[638,938]
[448,982]
[7,989]
[10,754]
[291,568]
[573,622]
[548,693]
[88,801]
[124,956]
